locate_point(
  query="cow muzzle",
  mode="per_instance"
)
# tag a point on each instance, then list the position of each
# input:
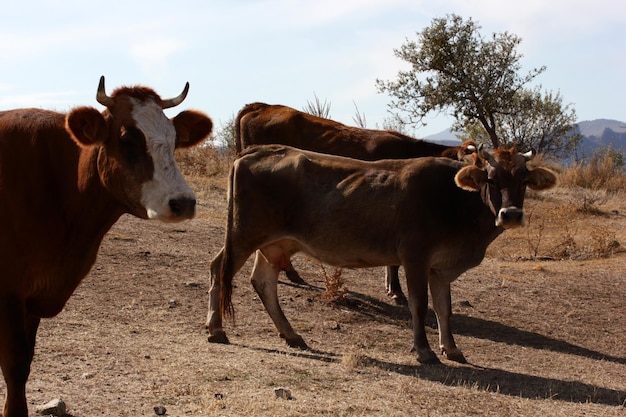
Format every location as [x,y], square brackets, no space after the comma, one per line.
[182,208]
[510,217]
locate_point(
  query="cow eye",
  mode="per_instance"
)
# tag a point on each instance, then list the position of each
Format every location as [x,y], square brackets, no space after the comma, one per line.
[131,134]
[131,142]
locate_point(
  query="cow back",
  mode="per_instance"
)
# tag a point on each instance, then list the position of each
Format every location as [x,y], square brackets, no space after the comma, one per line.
[261,124]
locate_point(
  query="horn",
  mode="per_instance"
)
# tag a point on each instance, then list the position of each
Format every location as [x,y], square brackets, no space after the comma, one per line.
[482,152]
[529,155]
[171,102]
[101,95]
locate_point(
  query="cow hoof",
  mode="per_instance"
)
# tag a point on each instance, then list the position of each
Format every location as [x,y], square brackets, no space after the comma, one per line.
[219,337]
[399,299]
[427,357]
[297,342]
[294,277]
[456,356]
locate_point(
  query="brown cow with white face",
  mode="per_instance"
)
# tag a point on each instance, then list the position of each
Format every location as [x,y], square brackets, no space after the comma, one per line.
[433,216]
[264,124]
[65,179]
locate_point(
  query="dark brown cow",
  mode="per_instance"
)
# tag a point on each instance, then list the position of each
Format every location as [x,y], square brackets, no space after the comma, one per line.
[418,213]
[264,124]
[65,179]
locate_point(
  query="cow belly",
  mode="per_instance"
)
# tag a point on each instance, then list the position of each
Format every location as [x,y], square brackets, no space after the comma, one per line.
[350,256]
[451,261]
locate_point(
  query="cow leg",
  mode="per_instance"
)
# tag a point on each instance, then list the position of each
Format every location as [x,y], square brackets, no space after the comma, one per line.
[214,315]
[392,284]
[265,282]
[417,285]
[442,304]
[293,275]
[18,332]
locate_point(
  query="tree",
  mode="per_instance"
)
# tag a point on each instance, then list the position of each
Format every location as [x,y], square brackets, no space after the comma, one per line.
[536,121]
[541,122]
[226,134]
[453,68]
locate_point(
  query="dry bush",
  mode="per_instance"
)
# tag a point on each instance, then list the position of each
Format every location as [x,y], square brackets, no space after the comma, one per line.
[335,287]
[603,171]
[534,235]
[204,161]
[570,243]
[604,243]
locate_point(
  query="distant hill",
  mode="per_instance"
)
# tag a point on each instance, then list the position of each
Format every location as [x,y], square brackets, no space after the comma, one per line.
[601,133]
[598,126]
[445,137]
[596,134]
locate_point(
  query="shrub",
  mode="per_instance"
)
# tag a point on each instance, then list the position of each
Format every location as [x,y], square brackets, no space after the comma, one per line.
[603,171]
[204,161]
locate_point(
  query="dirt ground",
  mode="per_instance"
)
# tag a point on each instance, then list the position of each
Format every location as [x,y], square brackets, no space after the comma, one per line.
[543,336]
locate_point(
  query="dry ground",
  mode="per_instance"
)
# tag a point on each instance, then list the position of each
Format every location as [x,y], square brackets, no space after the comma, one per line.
[543,336]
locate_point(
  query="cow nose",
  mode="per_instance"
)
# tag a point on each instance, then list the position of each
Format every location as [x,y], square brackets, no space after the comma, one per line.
[183,207]
[510,217]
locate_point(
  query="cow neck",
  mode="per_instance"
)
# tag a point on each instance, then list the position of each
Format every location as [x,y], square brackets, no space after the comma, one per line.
[485,196]
[88,211]
[96,210]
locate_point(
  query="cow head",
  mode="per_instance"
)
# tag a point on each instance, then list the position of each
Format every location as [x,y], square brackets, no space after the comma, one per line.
[135,142]
[502,178]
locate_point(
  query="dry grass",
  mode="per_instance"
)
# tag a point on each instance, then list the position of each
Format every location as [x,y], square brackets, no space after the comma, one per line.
[204,161]
[603,172]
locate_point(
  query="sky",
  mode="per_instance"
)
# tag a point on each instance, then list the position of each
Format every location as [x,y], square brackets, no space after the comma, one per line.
[53,52]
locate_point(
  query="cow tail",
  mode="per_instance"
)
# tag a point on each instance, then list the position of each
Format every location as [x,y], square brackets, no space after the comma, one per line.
[226,268]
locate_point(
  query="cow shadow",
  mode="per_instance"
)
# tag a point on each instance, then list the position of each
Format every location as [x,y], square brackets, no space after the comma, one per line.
[378,310]
[381,311]
[472,376]
[475,377]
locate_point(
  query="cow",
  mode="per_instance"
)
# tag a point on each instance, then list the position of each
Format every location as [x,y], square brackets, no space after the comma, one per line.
[65,179]
[433,216]
[260,123]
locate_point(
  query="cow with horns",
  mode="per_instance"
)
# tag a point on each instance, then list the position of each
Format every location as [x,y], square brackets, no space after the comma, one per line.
[433,216]
[65,179]
[263,124]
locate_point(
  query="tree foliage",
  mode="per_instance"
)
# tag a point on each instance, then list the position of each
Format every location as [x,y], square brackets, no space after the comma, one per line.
[454,68]
[536,121]
[541,122]
[225,134]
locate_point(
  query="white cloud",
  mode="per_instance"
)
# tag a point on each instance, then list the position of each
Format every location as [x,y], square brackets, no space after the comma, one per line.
[60,100]
[153,54]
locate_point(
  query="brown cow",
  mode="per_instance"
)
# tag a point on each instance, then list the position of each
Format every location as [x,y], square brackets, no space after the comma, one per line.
[65,179]
[418,213]
[264,124]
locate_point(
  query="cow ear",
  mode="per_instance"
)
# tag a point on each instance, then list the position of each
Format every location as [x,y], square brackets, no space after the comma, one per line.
[192,127]
[86,126]
[471,178]
[541,179]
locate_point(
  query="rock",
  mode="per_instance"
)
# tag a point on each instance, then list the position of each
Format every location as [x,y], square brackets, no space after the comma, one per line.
[332,325]
[283,393]
[159,410]
[55,407]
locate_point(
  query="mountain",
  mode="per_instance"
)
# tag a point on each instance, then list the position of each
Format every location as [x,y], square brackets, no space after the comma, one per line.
[598,126]
[601,133]
[445,137]
[596,134]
